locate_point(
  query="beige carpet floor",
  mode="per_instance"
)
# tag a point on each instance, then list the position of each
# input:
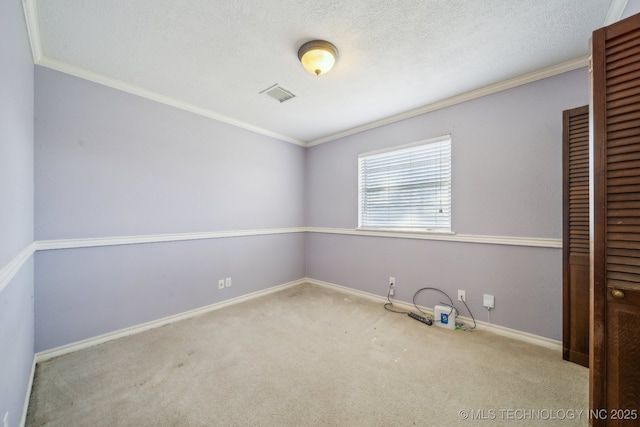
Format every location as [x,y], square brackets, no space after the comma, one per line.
[309,356]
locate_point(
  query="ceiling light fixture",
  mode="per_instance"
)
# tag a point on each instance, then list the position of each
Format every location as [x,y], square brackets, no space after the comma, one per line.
[317,56]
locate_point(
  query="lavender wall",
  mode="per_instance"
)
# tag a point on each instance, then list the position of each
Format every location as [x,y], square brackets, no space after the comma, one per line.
[82,293]
[16,133]
[16,208]
[110,164]
[16,342]
[507,181]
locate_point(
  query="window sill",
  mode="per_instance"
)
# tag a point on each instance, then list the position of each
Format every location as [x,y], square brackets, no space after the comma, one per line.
[406,231]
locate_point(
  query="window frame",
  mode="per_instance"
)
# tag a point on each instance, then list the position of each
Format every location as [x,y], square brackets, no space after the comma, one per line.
[408,228]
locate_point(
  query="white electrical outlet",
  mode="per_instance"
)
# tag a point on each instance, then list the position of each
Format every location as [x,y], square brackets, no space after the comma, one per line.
[462,295]
[392,286]
[392,281]
[227,282]
[221,284]
[488,301]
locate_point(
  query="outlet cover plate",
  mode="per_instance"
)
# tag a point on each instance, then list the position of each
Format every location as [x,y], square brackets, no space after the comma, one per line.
[488,301]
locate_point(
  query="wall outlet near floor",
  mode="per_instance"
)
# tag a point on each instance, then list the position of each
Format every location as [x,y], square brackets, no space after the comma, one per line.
[392,286]
[488,301]
[221,284]
[227,282]
[462,295]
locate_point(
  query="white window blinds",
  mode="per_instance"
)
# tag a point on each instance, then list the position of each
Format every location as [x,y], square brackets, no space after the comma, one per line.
[407,188]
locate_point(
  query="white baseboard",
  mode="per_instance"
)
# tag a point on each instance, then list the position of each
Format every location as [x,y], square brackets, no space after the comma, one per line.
[90,342]
[27,395]
[496,329]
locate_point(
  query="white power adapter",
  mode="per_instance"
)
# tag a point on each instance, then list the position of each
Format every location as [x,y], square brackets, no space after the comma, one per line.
[445,316]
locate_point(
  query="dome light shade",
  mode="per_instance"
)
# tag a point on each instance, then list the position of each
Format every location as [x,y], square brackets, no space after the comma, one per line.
[317,56]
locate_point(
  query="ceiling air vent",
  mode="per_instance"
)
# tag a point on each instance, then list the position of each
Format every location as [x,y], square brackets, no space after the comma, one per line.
[278,93]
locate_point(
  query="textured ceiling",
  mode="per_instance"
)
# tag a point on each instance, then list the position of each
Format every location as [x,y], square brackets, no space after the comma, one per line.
[215,56]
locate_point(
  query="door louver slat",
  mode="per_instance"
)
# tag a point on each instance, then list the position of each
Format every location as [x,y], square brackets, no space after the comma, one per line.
[576,247]
[578,197]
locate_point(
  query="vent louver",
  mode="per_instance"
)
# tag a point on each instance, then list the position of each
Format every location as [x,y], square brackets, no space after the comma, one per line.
[278,93]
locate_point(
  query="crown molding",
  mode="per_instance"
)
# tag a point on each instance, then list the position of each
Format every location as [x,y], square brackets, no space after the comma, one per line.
[33,29]
[554,70]
[31,15]
[101,79]
[85,74]
[616,9]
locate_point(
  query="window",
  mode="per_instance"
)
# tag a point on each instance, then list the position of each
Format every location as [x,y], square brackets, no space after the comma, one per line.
[407,188]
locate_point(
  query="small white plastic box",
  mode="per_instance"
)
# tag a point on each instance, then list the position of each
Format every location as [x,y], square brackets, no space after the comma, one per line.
[445,316]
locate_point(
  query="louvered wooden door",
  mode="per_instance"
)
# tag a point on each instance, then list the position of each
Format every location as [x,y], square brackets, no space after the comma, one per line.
[615,323]
[575,245]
